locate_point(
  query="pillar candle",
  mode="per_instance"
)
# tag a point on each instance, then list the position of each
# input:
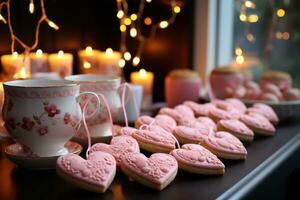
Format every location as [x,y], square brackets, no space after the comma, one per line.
[12,65]
[38,61]
[109,62]
[61,63]
[145,79]
[88,60]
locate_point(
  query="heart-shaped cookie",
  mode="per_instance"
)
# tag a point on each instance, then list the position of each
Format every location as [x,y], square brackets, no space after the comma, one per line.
[258,123]
[225,145]
[185,111]
[156,172]
[199,109]
[164,121]
[196,159]
[266,111]
[94,174]
[187,135]
[125,131]
[155,139]
[119,146]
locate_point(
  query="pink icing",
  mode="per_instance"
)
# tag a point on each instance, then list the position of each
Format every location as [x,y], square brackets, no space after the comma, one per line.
[257,121]
[143,120]
[97,170]
[155,136]
[219,114]
[236,126]
[195,124]
[237,104]
[127,131]
[119,146]
[157,169]
[192,105]
[166,122]
[197,156]
[196,135]
[225,142]
[267,111]
[207,122]
[170,112]
[185,111]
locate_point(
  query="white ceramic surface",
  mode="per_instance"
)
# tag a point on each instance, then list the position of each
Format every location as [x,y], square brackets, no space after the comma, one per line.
[42,115]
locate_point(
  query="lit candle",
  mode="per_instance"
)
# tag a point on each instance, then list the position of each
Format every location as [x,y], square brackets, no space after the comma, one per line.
[13,63]
[61,63]
[38,61]
[109,62]
[145,79]
[88,62]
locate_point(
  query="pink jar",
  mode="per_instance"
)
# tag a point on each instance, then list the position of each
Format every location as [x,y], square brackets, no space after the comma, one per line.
[182,85]
[222,79]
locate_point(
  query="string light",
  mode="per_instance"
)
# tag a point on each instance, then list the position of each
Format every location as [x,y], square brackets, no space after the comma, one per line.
[243,17]
[88,50]
[31,7]
[123,28]
[285,35]
[240,59]
[250,37]
[252,18]
[60,53]
[133,17]
[52,24]
[39,53]
[120,14]
[250,4]
[280,12]
[133,32]
[238,51]
[163,24]
[127,55]
[87,65]
[136,60]
[109,52]
[127,21]
[148,21]
[3,19]
[148,1]
[176,9]
[122,63]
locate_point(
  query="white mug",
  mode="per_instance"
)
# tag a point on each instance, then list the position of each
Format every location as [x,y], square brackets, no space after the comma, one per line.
[42,115]
[99,125]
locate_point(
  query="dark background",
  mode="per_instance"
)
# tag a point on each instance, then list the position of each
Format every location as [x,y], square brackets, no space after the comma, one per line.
[94,23]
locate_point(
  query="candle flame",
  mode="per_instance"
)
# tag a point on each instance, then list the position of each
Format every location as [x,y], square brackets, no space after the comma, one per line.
[122,63]
[87,65]
[39,53]
[240,59]
[22,74]
[136,60]
[31,8]
[142,72]
[109,52]
[15,54]
[89,50]
[127,55]
[60,54]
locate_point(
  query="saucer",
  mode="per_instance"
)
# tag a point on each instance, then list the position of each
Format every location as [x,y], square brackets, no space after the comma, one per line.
[16,154]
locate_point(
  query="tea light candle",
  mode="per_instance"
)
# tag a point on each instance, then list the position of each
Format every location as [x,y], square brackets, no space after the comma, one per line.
[61,63]
[38,61]
[145,79]
[88,60]
[109,62]
[11,64]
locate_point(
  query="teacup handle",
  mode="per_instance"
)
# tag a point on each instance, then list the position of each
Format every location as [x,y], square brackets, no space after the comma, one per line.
[98,102]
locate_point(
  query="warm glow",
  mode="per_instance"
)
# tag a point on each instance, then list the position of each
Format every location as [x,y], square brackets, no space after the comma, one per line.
[120,14]
[176,9]
[280,12]
[31,7]
[250,37]
[53,25]
[88,50]
[148,21]
[142,73]
[39,53]
[122,28]
[285,35]
[60,54]
[243,17]
[149,1]
[136,60]
[278,35]
[238,51]
[87,65]
[15,54]
[127,21]
[122,63]
[252,18]
[109,52]
[127,55]
[249,4]
[163,24]
[3,19]
[240,59]
[133,17]
[133,32]
[21,74]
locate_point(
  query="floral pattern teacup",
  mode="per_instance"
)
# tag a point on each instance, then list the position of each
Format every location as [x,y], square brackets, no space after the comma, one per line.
[41,115]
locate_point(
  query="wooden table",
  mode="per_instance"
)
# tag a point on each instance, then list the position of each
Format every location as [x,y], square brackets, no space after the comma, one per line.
[268,172]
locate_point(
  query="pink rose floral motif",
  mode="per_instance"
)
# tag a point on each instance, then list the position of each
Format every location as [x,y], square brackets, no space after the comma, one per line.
[42,130]
[52,110]
[28,124]
[11,123]
[67,118]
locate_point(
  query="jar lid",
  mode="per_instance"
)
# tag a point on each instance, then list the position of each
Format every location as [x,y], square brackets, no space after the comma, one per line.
[225,70]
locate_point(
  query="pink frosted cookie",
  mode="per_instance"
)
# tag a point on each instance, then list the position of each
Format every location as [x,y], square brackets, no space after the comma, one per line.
[224,145]
[194,106]
[156,172]
[267,111]
[170,112]
[125,131]
[203,109]
[155,139]
[119,146]
[292,94]
[196,159]
[218,114]
[185,111]
[164,121]
[194,124]
[207,122]
[272,89]
[236,128]
[143,120]
[258,123]
[187,135]
[94,174]
[237,104]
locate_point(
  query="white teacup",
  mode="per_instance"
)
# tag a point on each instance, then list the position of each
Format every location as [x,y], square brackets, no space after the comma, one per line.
[41,115]
[99,125]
